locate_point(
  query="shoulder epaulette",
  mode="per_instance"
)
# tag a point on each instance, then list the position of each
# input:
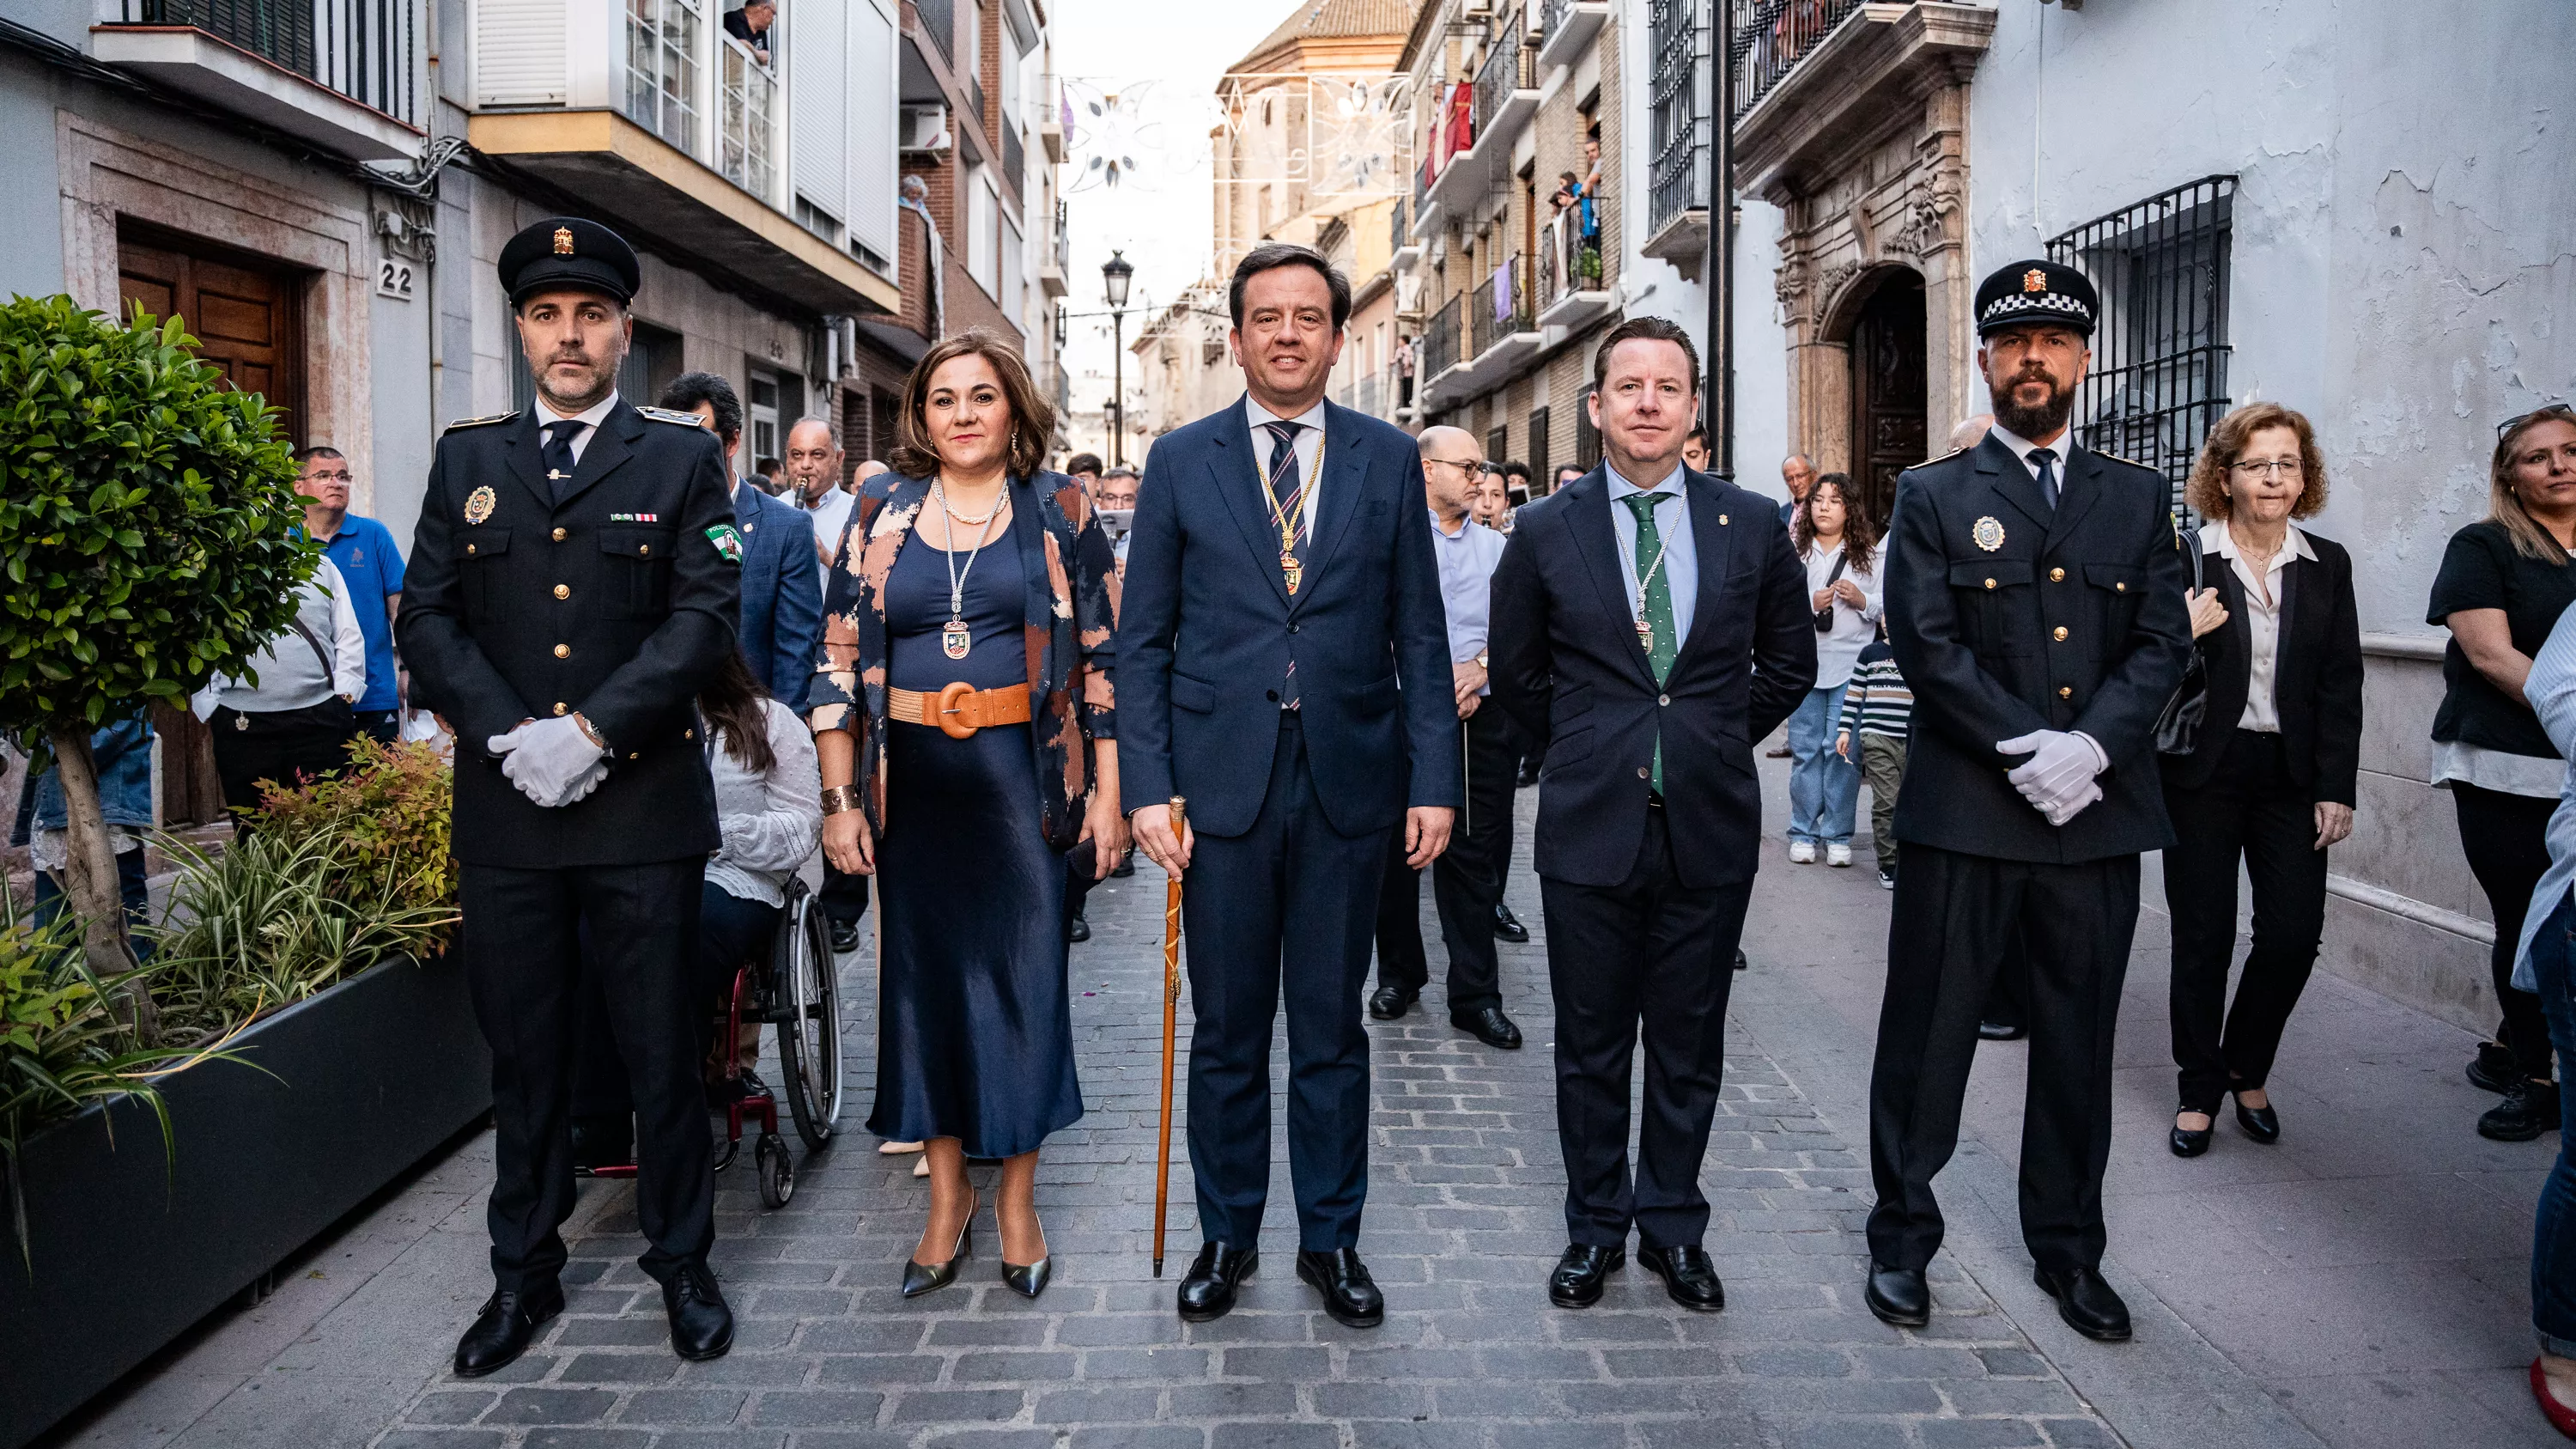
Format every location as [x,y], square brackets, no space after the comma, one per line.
[668,415]
[480,422]
[1944,458]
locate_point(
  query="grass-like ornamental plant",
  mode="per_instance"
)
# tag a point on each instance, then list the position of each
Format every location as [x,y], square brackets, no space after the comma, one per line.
[148,541]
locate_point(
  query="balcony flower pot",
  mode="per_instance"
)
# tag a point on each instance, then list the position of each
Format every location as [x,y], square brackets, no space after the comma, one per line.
[336,1097]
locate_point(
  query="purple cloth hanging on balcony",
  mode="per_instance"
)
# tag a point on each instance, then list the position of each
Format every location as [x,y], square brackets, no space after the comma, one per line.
[1503,291]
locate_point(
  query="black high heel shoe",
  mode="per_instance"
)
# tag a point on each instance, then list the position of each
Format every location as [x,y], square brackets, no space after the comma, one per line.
[920,1277]
[2260,1123]
[1029,1280]
[2186,1142]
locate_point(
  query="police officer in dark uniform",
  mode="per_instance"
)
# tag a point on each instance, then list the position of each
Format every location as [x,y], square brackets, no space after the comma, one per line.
[573,584]
[2035,603]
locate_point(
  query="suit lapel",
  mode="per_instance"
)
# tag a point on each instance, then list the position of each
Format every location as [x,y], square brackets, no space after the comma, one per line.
[1236,467]
[527,453]
[1346,464]
[608,451]
[747,501]
[2011,478]
[2079,488]
[1712,542]
[1586,512]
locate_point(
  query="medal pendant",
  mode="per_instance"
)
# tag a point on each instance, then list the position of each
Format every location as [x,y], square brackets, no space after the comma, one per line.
[1289,567]
[956,639]
[1645,636]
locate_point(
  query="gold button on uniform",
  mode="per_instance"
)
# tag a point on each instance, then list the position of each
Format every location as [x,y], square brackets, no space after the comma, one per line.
[689,734]
[563,591]
[1990,583]
[562,708]
[2061,637]
[564,651]
[2120,588]
[469,548]
[2066,691]
[2055,576]
[559,535]
[642,549]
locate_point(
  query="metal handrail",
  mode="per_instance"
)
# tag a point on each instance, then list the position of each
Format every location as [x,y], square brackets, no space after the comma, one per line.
[1440,340]
[1502,304]
[1569,261]
[1677,173]
[1773,36]
[367,50]
[1510,66]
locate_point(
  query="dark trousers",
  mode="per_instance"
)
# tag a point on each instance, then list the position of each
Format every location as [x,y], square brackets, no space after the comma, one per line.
[1648,951]
[133,888]
[2251,808]
[288,746]
[732,932]
[1281,911]
[1952,919]
[2506,838]
[522,935]
[1466,881]
[844,898]
[384,726]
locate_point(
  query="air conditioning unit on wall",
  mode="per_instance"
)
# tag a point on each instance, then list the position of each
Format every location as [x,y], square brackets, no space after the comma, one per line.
[923,130]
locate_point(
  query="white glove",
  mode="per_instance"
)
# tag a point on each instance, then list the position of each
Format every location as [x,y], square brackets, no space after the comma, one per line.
[551,761]
[2058,778]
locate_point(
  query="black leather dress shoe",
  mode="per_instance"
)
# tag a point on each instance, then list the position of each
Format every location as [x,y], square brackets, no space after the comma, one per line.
[2088,1304]
[1527,777]
[1207,1290]
[1489,1025]
[1077,930]
[1508,927]
[501,1332]
[1690,1279]
[701,1324]
[1899,1296]
[1740,962]
[845,937]
[1389,1002]
[2187,1143]
[1126,865]
[2260,1123]
[2001,1031]
[1351,1298]
[1576,1283]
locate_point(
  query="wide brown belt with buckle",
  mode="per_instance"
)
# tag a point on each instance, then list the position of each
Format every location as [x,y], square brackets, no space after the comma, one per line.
[960,709]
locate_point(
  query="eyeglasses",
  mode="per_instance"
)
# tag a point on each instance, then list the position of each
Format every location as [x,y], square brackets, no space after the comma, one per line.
[339,477]
[2554,405]
[2286,469]
[1471,469]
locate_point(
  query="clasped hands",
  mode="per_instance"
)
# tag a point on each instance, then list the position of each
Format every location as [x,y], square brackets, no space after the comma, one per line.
[554,762]
[2058,778]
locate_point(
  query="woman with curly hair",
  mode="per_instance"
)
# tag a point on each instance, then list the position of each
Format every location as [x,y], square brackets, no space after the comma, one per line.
[2271,779]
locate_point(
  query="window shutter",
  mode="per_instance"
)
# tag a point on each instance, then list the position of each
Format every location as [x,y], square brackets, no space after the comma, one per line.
[873,92]
[817,46]
[519,53]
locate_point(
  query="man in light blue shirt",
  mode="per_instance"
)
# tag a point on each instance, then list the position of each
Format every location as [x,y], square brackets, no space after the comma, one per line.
[1467,882]
[372,569]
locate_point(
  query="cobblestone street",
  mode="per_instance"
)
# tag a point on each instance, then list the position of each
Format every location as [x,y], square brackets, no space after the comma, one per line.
[1464,1221]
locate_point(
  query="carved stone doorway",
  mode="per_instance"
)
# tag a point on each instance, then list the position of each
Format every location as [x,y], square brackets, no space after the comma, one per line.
[1890,424]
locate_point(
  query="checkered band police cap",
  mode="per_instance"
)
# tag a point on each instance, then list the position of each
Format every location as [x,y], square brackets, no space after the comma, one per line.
[2036,291]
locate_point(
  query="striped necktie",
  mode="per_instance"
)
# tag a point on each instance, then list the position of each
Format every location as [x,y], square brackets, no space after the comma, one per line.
[1286,506]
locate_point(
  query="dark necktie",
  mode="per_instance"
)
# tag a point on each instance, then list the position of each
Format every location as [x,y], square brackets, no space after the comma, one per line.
[2045,460]
[1288,524]
[559,460]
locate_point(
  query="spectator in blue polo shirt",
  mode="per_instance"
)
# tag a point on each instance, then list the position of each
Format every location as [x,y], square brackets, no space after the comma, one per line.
[372,565]
[364,553]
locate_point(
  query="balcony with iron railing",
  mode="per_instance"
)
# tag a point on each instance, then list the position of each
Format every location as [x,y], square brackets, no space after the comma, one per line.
[1501,309]
[1440,345]
[1052,251]
[346,75]
[1506,92]
[750,122]
[939,23]
[1566,28]
[1807,71]
[1677,133]
[1577,277]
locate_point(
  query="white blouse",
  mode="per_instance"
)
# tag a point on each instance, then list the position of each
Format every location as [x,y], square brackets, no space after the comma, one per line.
[772,822]
[1838,651]
[2262,619]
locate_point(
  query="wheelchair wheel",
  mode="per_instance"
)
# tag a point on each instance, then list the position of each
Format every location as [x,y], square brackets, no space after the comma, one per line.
[777,1176]
[808,994]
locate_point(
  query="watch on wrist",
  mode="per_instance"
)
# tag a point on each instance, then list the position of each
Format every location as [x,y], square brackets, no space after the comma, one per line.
[1480,660]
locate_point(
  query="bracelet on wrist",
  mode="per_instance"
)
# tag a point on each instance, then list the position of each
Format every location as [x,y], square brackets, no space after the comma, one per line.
[840,799]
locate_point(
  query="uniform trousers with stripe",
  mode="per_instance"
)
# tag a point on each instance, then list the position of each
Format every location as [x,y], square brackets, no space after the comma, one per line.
[1949,931]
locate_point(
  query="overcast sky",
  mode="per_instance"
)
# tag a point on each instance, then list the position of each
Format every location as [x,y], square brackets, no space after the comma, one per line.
[1163,58]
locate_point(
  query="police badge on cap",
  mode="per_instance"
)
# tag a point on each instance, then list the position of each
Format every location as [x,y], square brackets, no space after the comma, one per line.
[2036,292]
[567,251]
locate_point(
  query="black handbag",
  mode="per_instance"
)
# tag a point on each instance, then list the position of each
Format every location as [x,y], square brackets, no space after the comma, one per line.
[1825,615]
[2178,728]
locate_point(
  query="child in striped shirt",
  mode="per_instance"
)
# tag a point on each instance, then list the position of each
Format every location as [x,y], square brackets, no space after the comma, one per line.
[1878,709]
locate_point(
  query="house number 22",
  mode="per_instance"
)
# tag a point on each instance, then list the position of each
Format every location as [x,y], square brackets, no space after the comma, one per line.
[393,279]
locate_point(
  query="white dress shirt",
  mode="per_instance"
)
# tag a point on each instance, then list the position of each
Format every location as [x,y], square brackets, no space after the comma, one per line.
[594,415]
[830,512]
[1310,443]
[1467,559]
[2063,447]
[2262,619]
[1839,650]
[1681,550]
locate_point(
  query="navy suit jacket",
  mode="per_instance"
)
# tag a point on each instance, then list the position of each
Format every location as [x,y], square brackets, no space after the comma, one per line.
[1207,628]
[1569,671]
[782,593]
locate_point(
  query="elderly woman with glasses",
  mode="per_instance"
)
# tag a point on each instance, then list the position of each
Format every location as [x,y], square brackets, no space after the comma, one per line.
[2271,778]
[2502,585]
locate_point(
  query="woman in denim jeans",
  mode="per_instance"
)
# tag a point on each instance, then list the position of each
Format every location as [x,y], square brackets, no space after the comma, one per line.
[2546,964]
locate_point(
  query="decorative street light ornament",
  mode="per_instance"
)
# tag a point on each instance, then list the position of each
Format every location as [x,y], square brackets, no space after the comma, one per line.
[1114,276]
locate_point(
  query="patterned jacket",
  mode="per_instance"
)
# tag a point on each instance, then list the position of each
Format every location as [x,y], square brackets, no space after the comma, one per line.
[1072,618]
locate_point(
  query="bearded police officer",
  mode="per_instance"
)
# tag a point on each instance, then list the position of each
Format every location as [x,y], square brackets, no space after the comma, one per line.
[2035,603]
[573,585]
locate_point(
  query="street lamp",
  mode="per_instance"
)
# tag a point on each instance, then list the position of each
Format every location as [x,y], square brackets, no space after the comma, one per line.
[1114,276]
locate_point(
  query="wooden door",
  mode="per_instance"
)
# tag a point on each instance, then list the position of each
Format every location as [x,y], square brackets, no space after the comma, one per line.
[1889,386]
[247,321]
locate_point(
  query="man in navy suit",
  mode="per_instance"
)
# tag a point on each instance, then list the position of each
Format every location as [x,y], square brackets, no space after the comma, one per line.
[1280,585]
[782,595]
[1650,623]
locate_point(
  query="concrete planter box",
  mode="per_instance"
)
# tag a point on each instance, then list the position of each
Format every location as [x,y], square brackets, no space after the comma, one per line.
[354,1087]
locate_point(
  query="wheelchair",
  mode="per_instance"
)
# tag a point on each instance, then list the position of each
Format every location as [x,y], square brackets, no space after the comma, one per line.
[796,991]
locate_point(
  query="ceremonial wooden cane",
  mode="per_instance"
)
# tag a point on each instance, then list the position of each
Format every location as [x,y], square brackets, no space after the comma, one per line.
[1171,1030]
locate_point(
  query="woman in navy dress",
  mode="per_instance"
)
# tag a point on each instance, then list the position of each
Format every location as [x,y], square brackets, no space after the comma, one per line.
[964,719]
